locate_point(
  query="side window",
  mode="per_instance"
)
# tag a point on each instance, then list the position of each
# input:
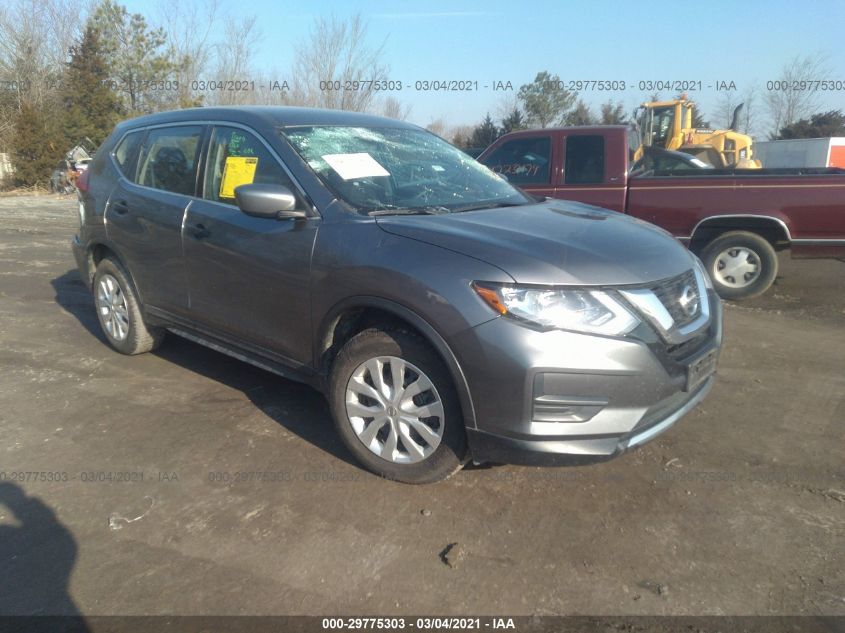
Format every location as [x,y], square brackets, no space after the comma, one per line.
[584,160]
[168,159]
[523,160]
[237,157]
[127,151]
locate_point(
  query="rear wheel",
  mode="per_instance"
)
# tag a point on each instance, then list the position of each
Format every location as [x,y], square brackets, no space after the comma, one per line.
[741,264]
[119,312]
[395,407]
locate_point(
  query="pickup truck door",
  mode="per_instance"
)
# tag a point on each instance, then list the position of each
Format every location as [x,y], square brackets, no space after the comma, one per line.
[527,161]
[593,169]
[248,277]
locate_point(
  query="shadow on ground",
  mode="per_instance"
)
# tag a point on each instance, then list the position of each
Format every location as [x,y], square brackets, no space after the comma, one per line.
[294,406]
[37,554]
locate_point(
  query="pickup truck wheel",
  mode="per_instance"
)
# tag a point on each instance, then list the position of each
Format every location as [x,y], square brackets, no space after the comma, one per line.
[741,264]
[119,313]
[395,407]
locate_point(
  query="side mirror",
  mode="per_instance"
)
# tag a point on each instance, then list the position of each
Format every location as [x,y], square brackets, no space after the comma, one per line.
[267,201]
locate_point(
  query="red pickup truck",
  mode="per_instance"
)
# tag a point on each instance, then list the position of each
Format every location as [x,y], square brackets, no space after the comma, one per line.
[734,219]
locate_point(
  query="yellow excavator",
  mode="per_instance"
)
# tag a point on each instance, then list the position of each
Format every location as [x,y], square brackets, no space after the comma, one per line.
[668,125]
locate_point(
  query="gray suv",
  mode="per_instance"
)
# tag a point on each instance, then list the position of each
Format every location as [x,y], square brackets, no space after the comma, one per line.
[445,314]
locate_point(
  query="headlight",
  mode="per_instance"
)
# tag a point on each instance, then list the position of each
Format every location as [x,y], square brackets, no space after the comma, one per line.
[591,311]
[699,265]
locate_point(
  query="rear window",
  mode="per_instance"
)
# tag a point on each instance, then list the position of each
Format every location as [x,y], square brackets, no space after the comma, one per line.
[168,159]
[127,151]
[584,160]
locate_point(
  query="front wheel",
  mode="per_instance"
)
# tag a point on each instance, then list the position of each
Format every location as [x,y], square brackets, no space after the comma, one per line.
[741,264]
[395,407]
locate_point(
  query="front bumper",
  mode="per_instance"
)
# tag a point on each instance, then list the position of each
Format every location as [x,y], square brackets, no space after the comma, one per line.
[561,397]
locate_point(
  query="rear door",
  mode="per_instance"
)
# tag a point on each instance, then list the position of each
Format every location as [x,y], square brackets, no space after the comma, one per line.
[249,277]
[592,171]
[527,161]
[145,211]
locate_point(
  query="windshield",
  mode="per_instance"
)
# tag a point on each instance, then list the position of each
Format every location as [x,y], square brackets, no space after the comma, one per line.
[385,170]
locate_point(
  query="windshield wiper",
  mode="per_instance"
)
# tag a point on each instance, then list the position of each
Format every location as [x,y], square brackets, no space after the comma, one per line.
[486,205]
[410,211]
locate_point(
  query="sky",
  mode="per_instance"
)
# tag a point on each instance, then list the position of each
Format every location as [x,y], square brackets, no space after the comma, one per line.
[710,42]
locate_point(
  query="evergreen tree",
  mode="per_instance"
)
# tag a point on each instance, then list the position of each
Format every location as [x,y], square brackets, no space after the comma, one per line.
[513,121]
[137,58]
[820,125]
[580,115]
[91,106]
[35,151]
[484,134]
[613,114]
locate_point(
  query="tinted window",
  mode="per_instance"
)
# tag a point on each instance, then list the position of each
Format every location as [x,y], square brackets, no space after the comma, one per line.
[523,160]
[169,159]
[236,157]
[584,160]
[127,151]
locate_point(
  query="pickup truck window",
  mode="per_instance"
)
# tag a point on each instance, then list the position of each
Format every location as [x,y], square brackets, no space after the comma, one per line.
[237,157]
[523,160]
[169,159]
[584,160]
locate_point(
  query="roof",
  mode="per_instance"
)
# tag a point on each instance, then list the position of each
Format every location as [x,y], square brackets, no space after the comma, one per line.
[580,128]
[274,116]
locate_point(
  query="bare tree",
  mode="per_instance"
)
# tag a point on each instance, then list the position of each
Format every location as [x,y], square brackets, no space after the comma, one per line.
[188,25]
[724,109]
[273,88]
[234,64]
[35,37]
[438,126]
[392,108]
[726,105]
[336,68]
[790,99]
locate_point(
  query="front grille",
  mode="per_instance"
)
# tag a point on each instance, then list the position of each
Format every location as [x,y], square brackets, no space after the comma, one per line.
[688,347]
[671,294]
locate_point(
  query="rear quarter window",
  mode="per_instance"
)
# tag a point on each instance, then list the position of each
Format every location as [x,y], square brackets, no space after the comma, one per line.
[126,153]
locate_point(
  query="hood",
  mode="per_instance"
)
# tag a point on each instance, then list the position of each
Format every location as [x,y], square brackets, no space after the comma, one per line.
[553,242]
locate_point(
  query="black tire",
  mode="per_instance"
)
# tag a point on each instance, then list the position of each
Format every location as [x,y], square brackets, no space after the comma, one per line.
[450,455]
[761,252]
[139,336]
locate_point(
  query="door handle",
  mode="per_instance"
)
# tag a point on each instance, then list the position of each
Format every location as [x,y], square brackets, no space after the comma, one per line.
[120,207]
[200,232]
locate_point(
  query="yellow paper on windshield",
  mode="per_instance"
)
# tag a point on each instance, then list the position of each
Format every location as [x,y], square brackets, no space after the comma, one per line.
[239,170]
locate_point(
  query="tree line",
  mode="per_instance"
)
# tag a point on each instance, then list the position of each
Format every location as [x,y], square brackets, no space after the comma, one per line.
[545,103]
[67,75]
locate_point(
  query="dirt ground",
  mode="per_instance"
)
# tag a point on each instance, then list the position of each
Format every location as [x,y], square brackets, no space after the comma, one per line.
[186,482]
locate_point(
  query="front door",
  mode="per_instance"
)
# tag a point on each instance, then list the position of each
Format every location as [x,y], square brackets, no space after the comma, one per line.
[249,277]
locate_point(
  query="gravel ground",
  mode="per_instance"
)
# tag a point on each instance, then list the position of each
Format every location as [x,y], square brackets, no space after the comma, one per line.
[130,487]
